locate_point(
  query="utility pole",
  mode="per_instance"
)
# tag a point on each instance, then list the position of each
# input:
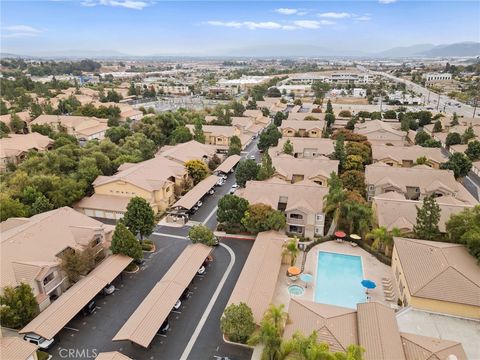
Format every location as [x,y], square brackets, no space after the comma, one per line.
[438,101]
[475,106]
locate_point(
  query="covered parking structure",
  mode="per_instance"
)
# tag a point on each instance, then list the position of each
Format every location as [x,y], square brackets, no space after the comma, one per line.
[50,321]
[191,198]
[256,283]
[228,164]
[147,319]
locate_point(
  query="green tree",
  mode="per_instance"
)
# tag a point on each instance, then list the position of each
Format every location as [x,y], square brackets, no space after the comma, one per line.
[198,134]
[237,323]
[235,146]
[290,249]
[421,137]
[11,208]
[354,180]
[139,217]
[201,234]
[428,217]
[320,89]
[278,118]
[330,119]
[454,121]
[262,217]
[355,216]
[76,264]
[214,162]
[16,124]
[383,239]
[339,153]
[125,243]
[231,210]
[354,162]
[437,127]
[246,170]
[453,138]
[473,150]
[390,114]
[197,170]
[288,147]
[464,228]
[181,135]
[422,160]
[18,306]
[329,109]
[117,133]
[266,169]
[269,137]
[459,163]
[468,135]
[336,195]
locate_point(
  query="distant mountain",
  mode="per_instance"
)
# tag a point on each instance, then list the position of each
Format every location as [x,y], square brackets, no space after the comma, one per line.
[405,51]
[289,50]
[429,50]
[458,49]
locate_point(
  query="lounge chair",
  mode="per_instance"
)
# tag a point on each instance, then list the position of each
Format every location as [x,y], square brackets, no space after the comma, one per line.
[390,298]
[386,282]
[388,286]
[353,244]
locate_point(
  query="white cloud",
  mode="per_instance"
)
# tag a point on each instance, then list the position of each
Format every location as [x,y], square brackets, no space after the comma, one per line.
[286,11]
[251,25]
[363,18]
[335,15]
[129,4]
[386,1]
[307,24]
[17,31]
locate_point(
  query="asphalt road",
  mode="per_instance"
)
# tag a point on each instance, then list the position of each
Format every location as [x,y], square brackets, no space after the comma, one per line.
[93,334]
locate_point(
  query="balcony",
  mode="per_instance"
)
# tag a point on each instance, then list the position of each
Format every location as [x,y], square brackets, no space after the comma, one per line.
[295,221]
[52,284]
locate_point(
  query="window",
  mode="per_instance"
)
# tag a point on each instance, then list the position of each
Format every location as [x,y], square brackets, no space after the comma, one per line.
[296,216]
[48,278]
[97,240]
[319,217]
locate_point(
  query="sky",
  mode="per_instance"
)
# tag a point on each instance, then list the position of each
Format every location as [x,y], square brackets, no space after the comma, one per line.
[203,28]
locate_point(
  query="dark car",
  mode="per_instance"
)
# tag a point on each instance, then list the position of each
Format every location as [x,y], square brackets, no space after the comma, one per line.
[185,295]
[89,308]
[164,328]
[139,262]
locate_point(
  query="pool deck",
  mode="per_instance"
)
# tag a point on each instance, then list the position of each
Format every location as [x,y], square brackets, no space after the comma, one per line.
[372,269]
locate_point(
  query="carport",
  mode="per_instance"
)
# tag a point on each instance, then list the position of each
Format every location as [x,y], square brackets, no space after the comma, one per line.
[50,321]
[147,319]
[228,164]
[189,200]
[256,283]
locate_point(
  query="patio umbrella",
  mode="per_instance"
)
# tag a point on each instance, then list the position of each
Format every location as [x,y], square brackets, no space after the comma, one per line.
[340,234]
[368,284]
[355,237]
[293,270]
[306,278]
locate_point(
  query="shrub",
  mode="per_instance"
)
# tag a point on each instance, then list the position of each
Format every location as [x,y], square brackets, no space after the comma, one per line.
[237,323]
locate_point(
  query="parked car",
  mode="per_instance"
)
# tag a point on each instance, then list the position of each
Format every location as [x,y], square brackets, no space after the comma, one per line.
[220,182]
[185,294]
[199,203]
[41,342]
[177,305]
[251,157]
[89,308]
[224,177]
[211,191]
[164,328]
[139,262]
[201,271]
[109,289]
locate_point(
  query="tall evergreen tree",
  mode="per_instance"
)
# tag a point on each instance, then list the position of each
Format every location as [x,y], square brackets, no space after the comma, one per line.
[139,217]
[266,169]
[125,243]
[339,153]
[428,217]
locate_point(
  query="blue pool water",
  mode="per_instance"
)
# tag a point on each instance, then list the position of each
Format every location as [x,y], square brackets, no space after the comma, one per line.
[338,280]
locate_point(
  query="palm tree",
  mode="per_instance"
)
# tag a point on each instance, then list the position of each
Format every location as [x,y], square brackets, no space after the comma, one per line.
[269,336]
[277,316]
[290,248]
[357,216]
[383,239]
[336,195]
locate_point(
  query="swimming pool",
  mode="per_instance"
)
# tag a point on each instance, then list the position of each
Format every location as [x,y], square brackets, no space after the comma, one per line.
[338,280]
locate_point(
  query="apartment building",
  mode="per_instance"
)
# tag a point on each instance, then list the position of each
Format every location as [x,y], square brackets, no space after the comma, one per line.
[392,210]
[380,133]
[156,180]
[407,156]
[414,183]
[15,147]
[23,115]
[302,128]
[308,148]
[82,127]
[423,268]
[293,170]
[302,203]
[31,249]
[190,150]
[220,135]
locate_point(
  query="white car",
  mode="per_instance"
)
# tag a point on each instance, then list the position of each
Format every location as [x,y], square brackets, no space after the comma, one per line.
[224,177]
[201,271]
[211,191]
[177,305]
[41,342]
[220,182]
[252,157]
[199,203]
[109,289]
[235,186]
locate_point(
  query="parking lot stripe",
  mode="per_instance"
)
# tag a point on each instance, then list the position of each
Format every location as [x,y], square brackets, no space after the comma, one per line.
[210,215]
[169,235]
[210,305]
[70,328]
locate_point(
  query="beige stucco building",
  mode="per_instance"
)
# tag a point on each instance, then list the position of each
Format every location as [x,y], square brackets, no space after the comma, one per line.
[302,128]
[407,156]
[436,276]
[15,147]
[156,180]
